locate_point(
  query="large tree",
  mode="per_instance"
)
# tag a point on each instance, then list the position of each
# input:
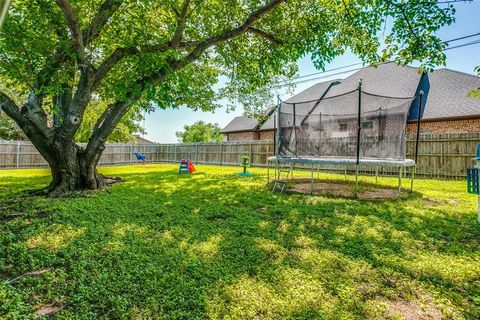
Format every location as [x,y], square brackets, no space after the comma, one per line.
[166,53]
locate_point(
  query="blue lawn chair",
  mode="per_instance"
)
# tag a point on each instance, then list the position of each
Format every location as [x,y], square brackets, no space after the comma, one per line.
[140,157]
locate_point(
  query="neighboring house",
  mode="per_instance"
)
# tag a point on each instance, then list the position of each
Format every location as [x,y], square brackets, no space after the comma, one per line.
[141,140]
[446,106]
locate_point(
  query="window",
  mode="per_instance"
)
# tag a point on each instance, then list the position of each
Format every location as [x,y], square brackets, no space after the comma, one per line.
[342,126]
[367,125]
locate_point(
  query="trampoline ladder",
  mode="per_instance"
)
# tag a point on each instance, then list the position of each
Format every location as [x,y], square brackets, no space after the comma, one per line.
[280,183]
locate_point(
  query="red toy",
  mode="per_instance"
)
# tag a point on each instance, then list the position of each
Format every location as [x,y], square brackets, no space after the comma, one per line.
[186,166]
[191,167]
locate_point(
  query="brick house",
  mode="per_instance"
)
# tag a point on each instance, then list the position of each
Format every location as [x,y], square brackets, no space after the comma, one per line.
[446,106]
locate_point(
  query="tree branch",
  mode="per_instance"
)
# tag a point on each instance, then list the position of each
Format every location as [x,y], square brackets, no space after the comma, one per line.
[405,19]
[194,8]
[181,21]
[73,25]
[106,11]
[111,61]
[10,108]
[113,114]
[29,127]
[34,113]
[80,39]
[227,35]
[53,63]
[264,35]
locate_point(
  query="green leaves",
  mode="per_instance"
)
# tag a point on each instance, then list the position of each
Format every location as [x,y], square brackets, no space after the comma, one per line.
[248,64]
[9,130]
[200,131]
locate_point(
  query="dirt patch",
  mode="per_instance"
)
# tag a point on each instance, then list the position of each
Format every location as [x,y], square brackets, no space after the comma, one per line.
[378,194]
[410,310]
[322,188]
[49,310]
[342,190]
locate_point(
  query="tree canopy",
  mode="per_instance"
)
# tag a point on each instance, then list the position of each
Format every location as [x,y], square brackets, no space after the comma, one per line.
[65,55]
[9,129]
[200,131]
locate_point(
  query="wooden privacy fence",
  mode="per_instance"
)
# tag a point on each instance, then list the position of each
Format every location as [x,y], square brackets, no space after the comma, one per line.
[22,154]
[440,156]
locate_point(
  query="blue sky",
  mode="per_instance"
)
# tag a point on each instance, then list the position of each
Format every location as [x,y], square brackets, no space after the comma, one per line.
[162,124]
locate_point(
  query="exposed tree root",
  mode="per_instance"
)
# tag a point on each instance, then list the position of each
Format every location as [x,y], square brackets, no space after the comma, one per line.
[66,190]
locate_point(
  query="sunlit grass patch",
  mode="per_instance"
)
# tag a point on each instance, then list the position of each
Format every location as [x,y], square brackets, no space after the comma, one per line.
[216,246]
[55,237]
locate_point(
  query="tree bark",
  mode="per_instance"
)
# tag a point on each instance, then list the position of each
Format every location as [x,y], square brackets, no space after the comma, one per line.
[72,172]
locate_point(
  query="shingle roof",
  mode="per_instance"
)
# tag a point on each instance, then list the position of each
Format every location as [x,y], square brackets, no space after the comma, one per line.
[241,123]
[388,79]
[448,95]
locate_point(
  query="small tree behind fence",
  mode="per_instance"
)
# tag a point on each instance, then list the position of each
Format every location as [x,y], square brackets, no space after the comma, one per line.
[440,156]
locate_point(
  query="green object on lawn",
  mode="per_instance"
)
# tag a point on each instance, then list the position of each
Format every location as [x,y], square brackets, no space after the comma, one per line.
[244,174]
[245,164]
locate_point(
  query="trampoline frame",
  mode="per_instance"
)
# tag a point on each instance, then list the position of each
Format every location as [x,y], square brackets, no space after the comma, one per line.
[401,164]
[346,163]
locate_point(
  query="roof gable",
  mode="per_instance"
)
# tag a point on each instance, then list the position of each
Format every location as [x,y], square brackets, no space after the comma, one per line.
[241,123]
[448,95]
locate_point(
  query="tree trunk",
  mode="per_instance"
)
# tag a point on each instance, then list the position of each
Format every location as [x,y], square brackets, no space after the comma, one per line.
[72,172]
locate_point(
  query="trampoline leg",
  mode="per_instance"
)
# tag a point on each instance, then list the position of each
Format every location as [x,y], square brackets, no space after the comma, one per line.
[346,168]
[400,180]
[268,172]
[376,174]
[311,182]
[414,170]
[356,180]
[318,171]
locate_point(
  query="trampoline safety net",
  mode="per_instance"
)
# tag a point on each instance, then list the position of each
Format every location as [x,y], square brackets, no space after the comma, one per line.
[330,127]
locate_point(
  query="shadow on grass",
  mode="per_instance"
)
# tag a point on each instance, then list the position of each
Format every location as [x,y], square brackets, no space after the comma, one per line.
[214,246]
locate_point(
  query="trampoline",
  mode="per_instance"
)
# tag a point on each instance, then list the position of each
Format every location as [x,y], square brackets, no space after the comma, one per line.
[354,129]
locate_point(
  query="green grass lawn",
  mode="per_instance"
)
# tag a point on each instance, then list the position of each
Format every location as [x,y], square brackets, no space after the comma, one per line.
[215,246]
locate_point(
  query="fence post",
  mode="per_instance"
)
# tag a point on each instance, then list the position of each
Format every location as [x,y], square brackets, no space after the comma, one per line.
[130,153]
[251,153]
[196,153]
[175,154]
[220,156]
[18,154]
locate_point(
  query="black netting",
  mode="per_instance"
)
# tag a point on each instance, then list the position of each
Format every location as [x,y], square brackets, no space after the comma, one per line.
[329,128]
